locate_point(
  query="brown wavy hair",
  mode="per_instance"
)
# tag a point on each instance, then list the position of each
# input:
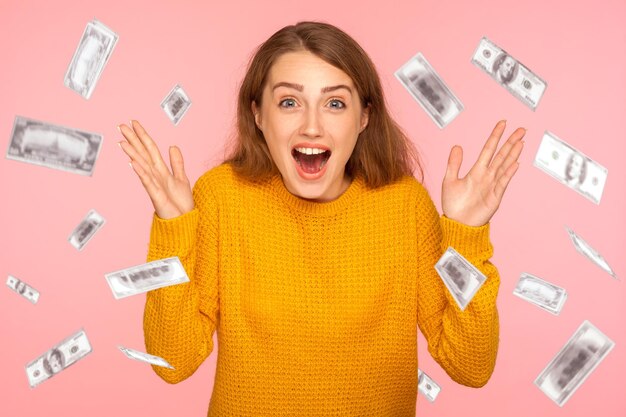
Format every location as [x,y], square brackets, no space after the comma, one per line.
[383,153]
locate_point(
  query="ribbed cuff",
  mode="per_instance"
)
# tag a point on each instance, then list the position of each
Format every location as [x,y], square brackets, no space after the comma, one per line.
[173,237]
[469,241]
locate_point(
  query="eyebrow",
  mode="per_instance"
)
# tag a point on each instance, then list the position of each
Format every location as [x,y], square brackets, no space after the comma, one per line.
[300,87]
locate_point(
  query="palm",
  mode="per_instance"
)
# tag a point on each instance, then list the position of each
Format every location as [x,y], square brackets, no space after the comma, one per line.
[169,191]
[475,198]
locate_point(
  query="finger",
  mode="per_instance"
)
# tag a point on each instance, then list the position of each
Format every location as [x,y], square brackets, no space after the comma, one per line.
[132,138]
[511,158]
[133,154]
[148,142]
[454,163]
[146,180]
[491,145]
[177,164]
[506,149]
[504,180]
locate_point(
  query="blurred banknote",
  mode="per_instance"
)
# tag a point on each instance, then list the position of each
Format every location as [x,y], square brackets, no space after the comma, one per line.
[425,85]
[145,357]
[176,104]
[509,73]
[147,277]
[91,55]
[58,358]
[23,289]
[86,229]
[574,362]
[571,167]
[540,293]
[460,276]
[593,255]
[427,386]
[54,146]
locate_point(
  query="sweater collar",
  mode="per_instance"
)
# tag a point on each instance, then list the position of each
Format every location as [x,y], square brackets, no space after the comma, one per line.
[355,188]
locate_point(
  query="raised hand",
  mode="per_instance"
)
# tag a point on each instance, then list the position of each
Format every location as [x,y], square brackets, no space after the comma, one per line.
[169,191]
[474,199]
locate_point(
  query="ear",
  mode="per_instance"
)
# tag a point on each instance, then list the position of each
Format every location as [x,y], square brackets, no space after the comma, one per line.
[365,117]
[257,114]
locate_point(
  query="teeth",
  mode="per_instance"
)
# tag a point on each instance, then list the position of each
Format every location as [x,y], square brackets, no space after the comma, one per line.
[310,151]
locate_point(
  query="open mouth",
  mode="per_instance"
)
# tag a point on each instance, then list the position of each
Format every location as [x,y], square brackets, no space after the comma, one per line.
[311,160]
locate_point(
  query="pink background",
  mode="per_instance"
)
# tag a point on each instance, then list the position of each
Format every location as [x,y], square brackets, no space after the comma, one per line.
[578,49]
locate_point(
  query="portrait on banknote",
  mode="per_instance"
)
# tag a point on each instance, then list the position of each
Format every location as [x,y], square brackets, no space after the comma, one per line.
[54,362]
[431,89]
[505,68]
[147,275]
[582,353]
[575,170]
[458,274]
[20,287]
[176,104]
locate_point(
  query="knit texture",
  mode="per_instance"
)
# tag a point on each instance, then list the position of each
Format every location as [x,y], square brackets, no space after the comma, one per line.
[317,305]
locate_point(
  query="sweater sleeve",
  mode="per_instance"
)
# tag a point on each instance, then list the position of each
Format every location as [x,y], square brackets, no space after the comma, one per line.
[179,321]
[464,343]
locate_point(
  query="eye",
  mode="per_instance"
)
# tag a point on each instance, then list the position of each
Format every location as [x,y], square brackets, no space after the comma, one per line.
[287,103]
[336,104]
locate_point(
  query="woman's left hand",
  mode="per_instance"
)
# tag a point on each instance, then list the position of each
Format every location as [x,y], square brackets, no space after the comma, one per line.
[474,199]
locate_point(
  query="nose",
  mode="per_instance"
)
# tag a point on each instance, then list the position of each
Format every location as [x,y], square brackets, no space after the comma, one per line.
[312,123]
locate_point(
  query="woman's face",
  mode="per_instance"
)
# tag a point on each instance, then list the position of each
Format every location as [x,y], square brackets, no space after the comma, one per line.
[310,116]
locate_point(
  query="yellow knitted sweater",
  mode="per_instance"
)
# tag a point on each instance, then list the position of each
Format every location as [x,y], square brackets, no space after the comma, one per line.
[316,305]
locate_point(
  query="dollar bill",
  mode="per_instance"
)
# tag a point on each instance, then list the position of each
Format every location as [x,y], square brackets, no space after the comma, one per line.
[591,254]
[54,146]
[145,357]
[509,73]
[176,104]
[86,229]
[541,293]
[460,277]
[23,289]
[574,362]
[60,357]
[425,385]
[429,90]
[146,277]
[91,55]
[571,167]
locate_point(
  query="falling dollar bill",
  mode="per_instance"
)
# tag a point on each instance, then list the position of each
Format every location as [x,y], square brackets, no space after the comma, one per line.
[58,358]
[427,386]
[91,55]
[540,293]
[593,255]
[509,73]
[86,229]
[23,289]
[145,357]
[54,146]
[427,87]
[571,167]
[460,277]
[147,277]
[574,362]
[176,104]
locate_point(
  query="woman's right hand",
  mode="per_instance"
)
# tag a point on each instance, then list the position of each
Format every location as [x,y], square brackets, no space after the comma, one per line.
[170,192]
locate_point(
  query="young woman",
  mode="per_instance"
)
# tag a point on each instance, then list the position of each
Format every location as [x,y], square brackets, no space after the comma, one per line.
[311,250]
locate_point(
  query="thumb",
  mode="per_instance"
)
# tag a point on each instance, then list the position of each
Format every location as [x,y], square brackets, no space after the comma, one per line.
[454,163]
[177,163]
